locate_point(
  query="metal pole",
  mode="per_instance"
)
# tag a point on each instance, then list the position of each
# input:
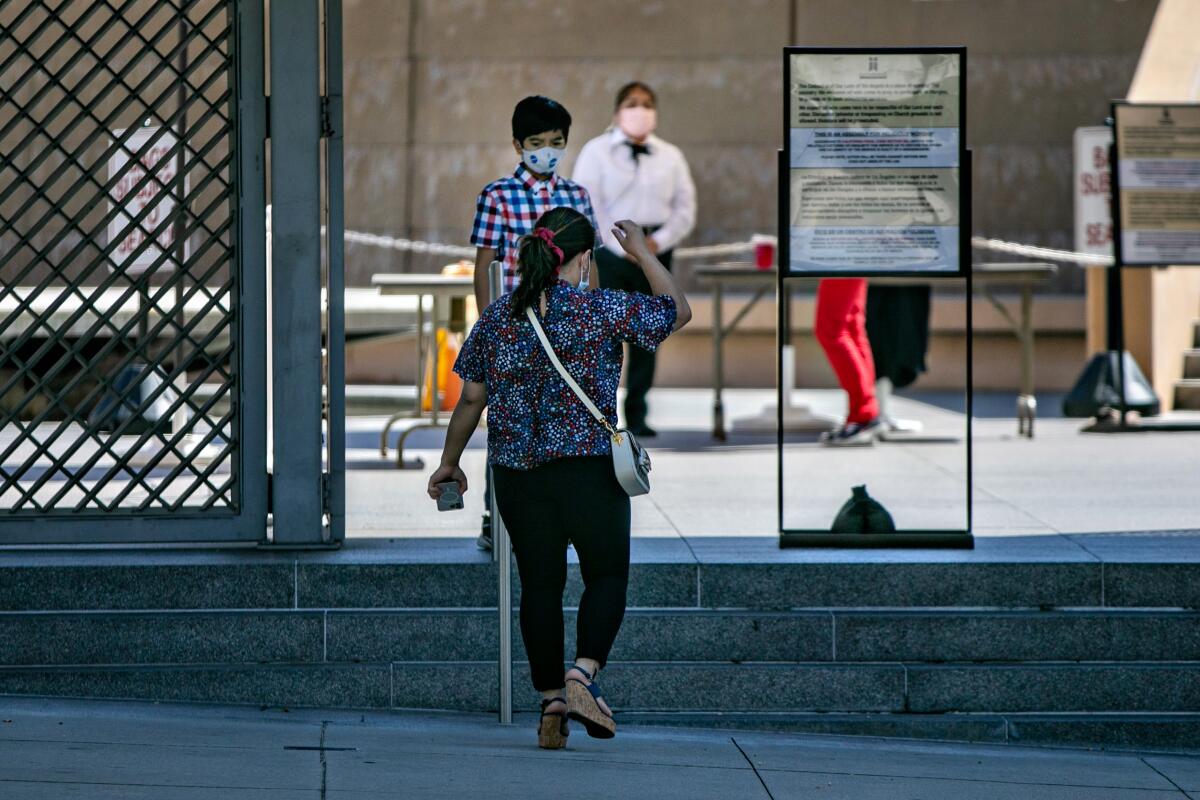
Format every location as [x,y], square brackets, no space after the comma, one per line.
[296,285]
[181,415]
[1115,305]
[502,548]
[336,290]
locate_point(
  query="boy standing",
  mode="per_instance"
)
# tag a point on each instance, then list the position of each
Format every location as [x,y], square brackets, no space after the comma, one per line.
[508,208]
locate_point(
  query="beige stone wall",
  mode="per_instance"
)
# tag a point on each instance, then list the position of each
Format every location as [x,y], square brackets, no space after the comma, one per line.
[430,86]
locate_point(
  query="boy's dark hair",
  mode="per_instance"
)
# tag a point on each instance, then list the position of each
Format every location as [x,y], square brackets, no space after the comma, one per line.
[538,263]
[538,114]
[628,89]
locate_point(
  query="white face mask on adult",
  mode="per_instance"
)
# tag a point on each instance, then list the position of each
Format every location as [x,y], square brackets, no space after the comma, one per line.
[544,160]
[637,122]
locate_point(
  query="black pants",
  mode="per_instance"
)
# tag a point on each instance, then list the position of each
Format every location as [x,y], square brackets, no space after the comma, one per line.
[617,272]
[576,500]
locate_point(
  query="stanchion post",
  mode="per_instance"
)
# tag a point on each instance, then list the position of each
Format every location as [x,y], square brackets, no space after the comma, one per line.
[502,550]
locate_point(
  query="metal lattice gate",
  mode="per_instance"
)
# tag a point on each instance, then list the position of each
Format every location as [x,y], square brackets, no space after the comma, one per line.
[132,289]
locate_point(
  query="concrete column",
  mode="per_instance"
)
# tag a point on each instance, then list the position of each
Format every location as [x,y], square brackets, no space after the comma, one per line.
[1161,304]
[296,272]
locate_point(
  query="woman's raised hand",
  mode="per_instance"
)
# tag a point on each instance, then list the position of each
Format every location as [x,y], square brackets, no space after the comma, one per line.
[631,238]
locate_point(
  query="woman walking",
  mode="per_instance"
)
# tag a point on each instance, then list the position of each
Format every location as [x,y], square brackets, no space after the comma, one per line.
[551,459]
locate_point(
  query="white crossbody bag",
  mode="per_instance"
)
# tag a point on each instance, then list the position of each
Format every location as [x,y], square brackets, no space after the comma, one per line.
[630,460]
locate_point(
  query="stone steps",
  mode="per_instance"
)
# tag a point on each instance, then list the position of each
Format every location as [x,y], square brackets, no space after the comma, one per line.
[1187,394]
[1191,364]
[692,635]
[652,686]
[261,581]
[924,645]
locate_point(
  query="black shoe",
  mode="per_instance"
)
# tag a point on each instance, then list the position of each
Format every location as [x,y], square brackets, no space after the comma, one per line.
[643,431]
[853,434]
[484,540]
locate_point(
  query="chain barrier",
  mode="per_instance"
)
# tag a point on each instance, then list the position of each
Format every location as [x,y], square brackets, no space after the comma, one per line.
[728,248]
[1041,253]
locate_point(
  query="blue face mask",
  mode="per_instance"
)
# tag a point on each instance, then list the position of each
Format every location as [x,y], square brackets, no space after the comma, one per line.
[544,160]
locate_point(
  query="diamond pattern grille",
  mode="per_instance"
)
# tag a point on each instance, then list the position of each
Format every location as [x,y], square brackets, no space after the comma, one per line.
[118,277]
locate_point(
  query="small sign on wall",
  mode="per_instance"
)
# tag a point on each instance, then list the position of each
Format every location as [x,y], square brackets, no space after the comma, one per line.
[1158,183]
[129,196]
[1093,191]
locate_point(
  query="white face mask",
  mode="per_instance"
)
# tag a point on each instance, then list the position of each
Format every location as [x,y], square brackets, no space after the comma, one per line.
[637,122]
[585,274]
[544,160]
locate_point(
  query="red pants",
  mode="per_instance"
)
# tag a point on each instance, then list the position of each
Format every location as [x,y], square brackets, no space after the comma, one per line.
[841,328]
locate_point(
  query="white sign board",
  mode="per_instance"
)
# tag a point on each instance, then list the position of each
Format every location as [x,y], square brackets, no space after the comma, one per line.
[1158,178]
[159,162]
[1093,178]
[874,151]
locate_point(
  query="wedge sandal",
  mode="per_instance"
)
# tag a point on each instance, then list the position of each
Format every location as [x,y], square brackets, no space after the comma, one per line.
[583,706]
[552,727]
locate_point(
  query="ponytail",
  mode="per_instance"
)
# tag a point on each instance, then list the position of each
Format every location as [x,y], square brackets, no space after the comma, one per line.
[559,235]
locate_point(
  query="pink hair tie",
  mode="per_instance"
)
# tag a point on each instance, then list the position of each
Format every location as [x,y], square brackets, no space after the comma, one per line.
[547,236]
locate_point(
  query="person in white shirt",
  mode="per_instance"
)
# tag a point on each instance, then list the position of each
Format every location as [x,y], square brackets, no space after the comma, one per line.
[632,174]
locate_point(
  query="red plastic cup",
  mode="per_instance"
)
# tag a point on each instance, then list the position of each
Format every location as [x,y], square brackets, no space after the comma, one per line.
[764,252]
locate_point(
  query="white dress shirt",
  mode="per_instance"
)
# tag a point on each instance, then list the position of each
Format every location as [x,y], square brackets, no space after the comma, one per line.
[653,190]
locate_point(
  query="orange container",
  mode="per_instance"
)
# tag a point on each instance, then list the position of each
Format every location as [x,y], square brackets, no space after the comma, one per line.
[450,386]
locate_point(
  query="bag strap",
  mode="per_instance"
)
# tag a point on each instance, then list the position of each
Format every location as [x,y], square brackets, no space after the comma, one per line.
[566,376]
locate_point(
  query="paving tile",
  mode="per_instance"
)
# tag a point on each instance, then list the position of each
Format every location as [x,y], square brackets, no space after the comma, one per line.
[411,635]
[339,585]
[1050,688]
[146,638]
[1017,636]
[971,584]
[1152,585]
[988,764]
[214,768]
[1185,772]
[797,785]
[1132,731]
[351,685]
[503,775]
[944,727]
[139,583]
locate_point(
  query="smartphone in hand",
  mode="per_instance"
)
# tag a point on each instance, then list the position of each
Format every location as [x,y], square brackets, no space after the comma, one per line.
[449,499]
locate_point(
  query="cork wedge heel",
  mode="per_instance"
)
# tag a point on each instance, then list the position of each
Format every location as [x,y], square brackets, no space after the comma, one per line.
[552,727]
[583,706]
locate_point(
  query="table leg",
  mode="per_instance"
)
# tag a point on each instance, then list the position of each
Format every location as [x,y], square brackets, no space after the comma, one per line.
[435,402]
[1026,403]
[718,364]
[420,355]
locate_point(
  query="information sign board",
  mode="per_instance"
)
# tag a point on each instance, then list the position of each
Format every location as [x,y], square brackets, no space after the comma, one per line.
[1093,192]
[159,161]
[874,147]
[1158,183]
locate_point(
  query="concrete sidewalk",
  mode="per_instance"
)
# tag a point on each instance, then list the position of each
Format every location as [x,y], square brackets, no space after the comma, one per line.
[99,750]
[1060,483]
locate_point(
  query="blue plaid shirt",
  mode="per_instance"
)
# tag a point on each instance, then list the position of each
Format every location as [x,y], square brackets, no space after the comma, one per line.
[508,208]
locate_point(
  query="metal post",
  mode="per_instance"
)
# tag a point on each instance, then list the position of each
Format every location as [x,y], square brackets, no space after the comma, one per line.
[335,225]
[296,288]
[502,548]
[718,363]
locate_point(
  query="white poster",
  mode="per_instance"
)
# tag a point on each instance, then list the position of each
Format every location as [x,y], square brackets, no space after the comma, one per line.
[159,162]
[1158,164]
[874,153]
[1093,191]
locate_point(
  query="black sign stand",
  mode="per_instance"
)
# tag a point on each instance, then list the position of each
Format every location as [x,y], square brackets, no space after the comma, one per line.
[905,538]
